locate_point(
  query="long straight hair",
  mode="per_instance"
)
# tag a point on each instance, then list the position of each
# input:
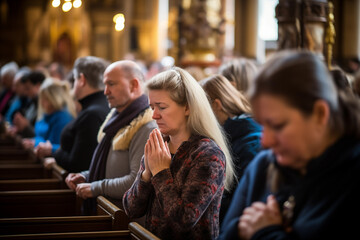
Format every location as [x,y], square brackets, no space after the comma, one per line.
[185,91]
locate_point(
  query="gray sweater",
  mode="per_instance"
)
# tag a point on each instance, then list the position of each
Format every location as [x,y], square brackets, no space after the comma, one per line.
[122,167]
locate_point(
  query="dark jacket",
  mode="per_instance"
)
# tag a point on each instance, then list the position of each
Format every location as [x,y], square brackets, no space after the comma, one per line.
[244,136]
[325,198]
[79,137]
[182,202]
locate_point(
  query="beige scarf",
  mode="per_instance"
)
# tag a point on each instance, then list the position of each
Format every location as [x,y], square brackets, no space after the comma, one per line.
[122,139]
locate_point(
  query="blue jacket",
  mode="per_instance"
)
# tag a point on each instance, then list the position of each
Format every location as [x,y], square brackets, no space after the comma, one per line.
[325,198]
[244,135]
[50,127]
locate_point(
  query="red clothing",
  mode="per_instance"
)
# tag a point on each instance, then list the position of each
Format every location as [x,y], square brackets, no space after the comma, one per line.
[182,202]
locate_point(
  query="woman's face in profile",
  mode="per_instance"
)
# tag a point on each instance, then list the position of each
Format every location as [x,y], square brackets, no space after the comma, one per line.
[170,117]
[46,105]
[292,136]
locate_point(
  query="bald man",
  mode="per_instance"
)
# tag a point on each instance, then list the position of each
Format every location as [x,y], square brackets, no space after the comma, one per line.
[122,138]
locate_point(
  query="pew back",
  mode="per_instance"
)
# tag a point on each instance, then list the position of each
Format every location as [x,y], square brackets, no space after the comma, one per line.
[39,203]
[138,232]
[105,235]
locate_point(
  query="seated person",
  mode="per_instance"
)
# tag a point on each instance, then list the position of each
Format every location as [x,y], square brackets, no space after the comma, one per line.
[24,119]
[81,133]
[182,177]
[56,109]
[306,183]
[233,112]
[122,138]
[20,100]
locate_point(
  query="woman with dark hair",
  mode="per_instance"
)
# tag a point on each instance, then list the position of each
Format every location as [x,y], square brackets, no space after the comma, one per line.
[305,185]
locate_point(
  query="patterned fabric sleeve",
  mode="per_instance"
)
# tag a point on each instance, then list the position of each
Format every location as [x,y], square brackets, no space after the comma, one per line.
[135,200]
[184,204]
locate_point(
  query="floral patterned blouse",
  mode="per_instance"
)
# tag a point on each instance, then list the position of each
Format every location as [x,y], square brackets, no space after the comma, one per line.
[182,202]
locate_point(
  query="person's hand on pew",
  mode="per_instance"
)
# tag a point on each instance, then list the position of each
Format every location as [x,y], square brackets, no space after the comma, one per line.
[43,149]
[83,190]
[28,143]
[73,179]
[48,162]
[20,122]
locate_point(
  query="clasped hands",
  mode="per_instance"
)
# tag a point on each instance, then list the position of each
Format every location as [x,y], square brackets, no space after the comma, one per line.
[76,182]
[157,155]
[259,215]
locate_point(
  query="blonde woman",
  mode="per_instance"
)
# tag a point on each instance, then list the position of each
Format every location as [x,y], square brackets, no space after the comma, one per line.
[182,174]
[56,109]
[233,111]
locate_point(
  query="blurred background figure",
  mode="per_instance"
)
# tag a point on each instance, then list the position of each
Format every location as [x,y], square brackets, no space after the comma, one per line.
[56,109]
[7,76]
[79,138]
[240,72]
[24,119]
[20,100]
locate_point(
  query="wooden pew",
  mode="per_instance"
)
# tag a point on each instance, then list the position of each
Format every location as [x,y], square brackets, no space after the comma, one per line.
[14,153]
[98,235]
[138,232]
[56,179]
[17,155]
[109,218]
[105,207]
[19,171]
[39,203]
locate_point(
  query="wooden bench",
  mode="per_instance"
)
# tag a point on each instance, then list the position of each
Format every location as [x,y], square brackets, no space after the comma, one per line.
[39,203]
[98,235]
[11,153]
[109,218]
[56,178]
[27,171]
[105,207]
[138,232]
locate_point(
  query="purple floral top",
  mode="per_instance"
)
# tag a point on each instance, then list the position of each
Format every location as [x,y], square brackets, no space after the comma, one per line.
[182,202]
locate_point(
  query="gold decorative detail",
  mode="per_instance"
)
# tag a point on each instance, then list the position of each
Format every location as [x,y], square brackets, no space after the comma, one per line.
[330,34]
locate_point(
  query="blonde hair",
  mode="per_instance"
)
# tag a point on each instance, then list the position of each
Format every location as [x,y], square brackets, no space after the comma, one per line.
[233,102]
[58,94]
[185,91]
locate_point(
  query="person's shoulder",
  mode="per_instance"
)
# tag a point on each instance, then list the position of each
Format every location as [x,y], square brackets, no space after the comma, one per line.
[262,159]
[204,145]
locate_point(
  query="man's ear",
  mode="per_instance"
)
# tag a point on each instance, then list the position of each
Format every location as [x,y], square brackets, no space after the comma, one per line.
[134,85]
[321,112]
[82,80]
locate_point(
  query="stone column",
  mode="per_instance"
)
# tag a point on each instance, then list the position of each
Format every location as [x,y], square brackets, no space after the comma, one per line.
[246,28]
[351,25]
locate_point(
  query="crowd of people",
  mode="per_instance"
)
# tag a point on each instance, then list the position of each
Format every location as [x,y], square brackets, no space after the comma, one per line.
[250,151]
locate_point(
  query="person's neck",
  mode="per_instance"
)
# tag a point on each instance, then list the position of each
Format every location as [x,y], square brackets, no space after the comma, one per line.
[88,92]
[177,140]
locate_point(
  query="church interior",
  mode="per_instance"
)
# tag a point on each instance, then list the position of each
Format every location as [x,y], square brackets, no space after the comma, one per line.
[45,39]
[191,32]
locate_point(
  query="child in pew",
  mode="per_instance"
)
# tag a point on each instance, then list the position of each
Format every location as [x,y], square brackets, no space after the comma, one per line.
[56,109]
[182,175]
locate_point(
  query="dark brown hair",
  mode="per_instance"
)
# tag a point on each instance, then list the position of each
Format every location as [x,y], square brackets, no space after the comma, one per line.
[301,78]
